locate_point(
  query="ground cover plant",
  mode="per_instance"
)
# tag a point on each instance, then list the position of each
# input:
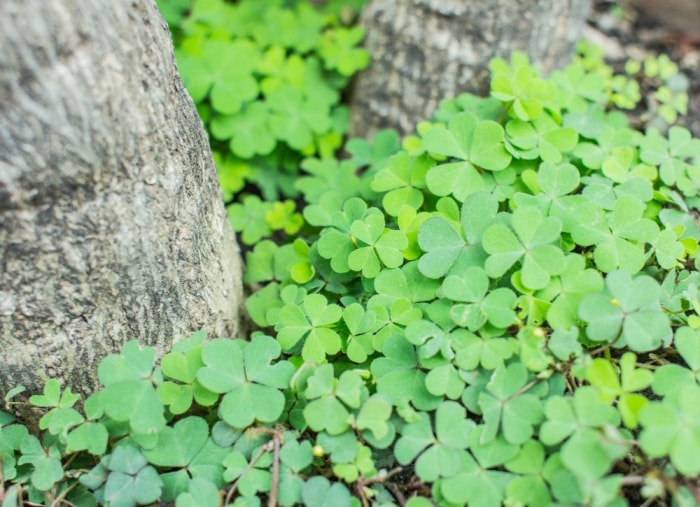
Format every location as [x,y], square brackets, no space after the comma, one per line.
[501,309]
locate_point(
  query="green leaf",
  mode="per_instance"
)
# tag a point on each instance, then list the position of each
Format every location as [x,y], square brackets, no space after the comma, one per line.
[296,455]
[90,436]
[243,371]
[519,86]
[134,401]
[530,242]
[480,304]
[248,131]
[590,454]
[506,407]
[478,143]
[47,468]
[403,180]
[200,492]
[543,137]
[295,119]
[687,342]
[476,483]
[529,488]
[444,245]
[134,363]
[630,316]
[376,246]
[566,415]
[338,50]
[177,445]
[487,352]
[574,283]
[311,324]
[671,428]
[619,239]
[374,416]
[318,492]
[611,386]
[443,450]
[52,396]
[399,377]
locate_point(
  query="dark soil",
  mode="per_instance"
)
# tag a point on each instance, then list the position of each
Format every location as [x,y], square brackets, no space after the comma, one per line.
[624,32]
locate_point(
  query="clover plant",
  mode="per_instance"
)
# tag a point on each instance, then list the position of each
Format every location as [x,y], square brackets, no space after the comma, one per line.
[267,78]
[501,309]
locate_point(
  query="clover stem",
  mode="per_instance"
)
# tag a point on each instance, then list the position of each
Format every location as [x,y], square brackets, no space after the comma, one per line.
[61,499]
[632,480]
[232,490]
[606,348]
[505,112]
[272,501]
[526,387]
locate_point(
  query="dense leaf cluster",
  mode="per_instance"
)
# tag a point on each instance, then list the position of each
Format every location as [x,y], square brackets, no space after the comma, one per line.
[500,309]
[267,78]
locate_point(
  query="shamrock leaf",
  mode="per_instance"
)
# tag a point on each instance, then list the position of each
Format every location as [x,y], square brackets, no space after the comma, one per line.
[230,85]
[477,483]
[542,137]
[399,376]
[129,394]
[331,398]
[672,428]
[295,118]
[439,453]
[248,131]
[126,477]
[529,241]
[378,155]
[630,316]
[612,386]
[478,144]
[488,352]
[604,193]
[339,50]
[376,245]
[519,87]
[505,407]
[565,415]
[529,487]
[403,180]
[590,454]
[133,363]
[479,304]
[311,322]
[243,371]
[554,184]
[188,451]
[668,250]
[374,416]
[46,465]
[248,218]
[432,340]
[444,245]
[573,284]
[619,238]
[331,181]
[318,492]
[670,155]
[687,342]
[408,283]
[336,242]
[361,324]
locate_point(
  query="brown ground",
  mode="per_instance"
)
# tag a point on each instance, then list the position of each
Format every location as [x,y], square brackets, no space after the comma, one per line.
[625,31]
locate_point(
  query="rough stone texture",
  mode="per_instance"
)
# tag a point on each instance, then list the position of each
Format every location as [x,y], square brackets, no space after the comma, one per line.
[111,220]
[426,50]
